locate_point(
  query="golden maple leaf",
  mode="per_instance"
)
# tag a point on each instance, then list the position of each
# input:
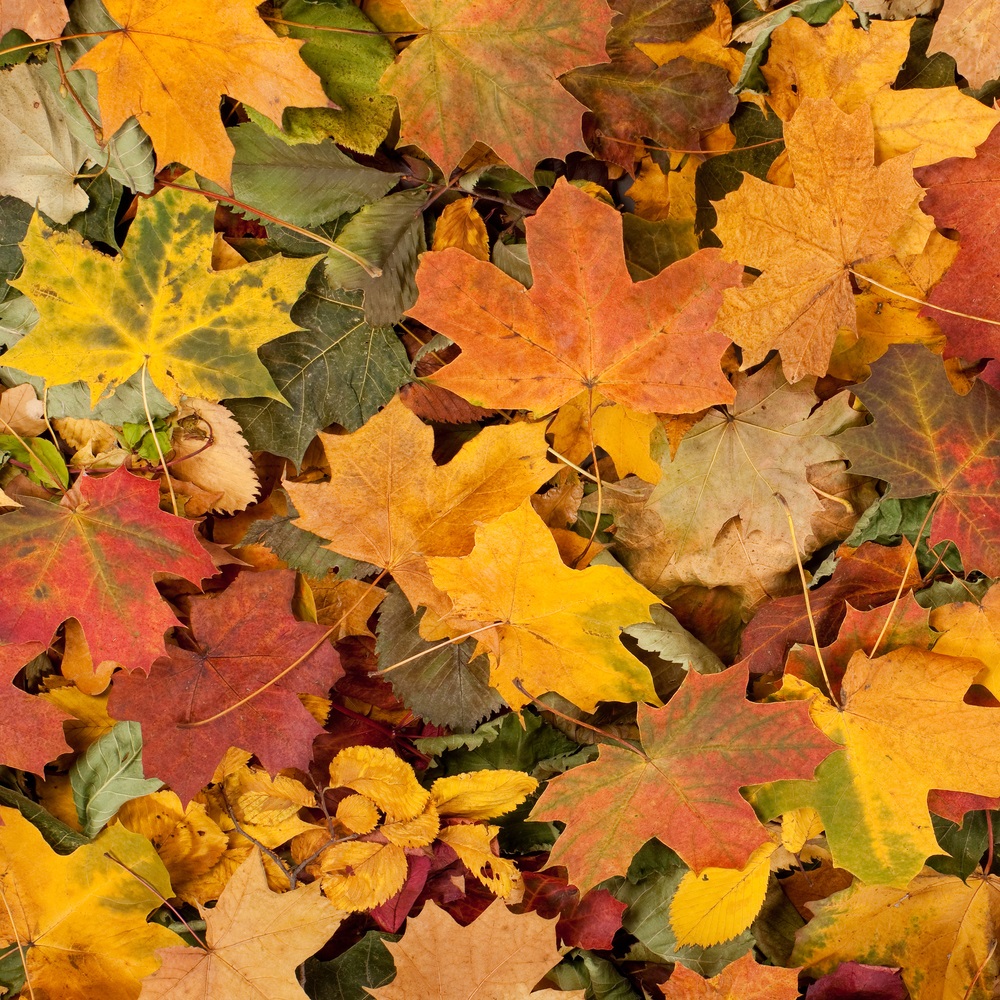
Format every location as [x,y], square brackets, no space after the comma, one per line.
[170,64]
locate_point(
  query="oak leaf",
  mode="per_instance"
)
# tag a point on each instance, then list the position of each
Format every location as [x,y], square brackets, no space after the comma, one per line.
[928,439]
[162,308]
[500,64]
[554,628]
[254,940]
[93,557]
[499,956]
[961,194]
[388,504]
[872,794]
[855,66]
[682,786]
[169,66]
[714,517]
[743,979]
[841,214]
[81,918]
[246,637]
[939,930]
[583,324]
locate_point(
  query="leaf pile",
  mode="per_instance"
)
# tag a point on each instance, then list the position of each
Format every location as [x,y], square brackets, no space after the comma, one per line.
[499,500]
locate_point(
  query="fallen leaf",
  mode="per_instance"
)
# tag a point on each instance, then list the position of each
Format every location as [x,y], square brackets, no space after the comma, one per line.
[254,940]
[202,344]
[501,65]
[32,728]
[168,67]
[462,227]
[111,538]
[583,324]
[804,295]
[744,979]
[967,30]
[37,18]
[682,786]
[247,641]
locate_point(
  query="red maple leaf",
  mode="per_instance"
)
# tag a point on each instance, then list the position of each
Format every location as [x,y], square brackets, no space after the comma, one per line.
[244,638]
[683,787]
[93,557]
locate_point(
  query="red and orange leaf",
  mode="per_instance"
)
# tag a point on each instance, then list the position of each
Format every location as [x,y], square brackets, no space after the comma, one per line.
[683,787]
[583,324]
[964,194]
[499,63]
[744,979]
[31,729]
[93,557]
[244,638]
[928,439]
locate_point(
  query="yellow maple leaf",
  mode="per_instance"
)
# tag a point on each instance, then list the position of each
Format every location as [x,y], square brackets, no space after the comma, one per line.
[555,629]
[972,629]
[170,64]
[81,918]
[161,305]
[716,904]
[842,212]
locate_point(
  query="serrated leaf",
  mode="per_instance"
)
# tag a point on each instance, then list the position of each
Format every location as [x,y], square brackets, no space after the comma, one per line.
[108,775]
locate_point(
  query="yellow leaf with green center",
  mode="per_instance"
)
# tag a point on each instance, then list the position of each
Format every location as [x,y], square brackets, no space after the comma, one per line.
[481,794]
[160,304]
[716,904]
[81,918]
[555,628]
[872,794]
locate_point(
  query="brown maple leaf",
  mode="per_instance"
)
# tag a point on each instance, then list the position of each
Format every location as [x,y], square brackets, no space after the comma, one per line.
[583,324]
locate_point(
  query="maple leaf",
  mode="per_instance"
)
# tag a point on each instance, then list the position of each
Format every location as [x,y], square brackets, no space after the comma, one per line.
[939,930]
[633,97]
[32,728]
[246,642]
[872,794]
[841,214]
[555,628]
[36,18]
[714,518]
[583,324]
[966,29]
[500,956]
[972,630]
[682,788]
[743,979]
[855,67]
[961,195]
[391,505]
[254,940]
[93,557]
[589,921]
[168,67]
[162,307]
[928,439]
[80,920]
[500,64]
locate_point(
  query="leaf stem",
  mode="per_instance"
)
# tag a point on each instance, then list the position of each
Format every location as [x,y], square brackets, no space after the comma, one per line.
[440,645]
[922,302]
[156,440]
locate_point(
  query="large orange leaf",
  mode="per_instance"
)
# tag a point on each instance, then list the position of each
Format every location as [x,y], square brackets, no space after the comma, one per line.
[93,557]
[557,629]
[683,786]
[170,64]
[387,503]
[584,324]
[928,439]
[744,979]
[255,939]
[841,214]
[487,72]
[245,637]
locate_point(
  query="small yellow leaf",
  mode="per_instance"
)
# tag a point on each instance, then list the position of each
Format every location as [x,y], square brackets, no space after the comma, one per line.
[358,875]
[358,814]
[481,794]
[417,832]
[798,826]
[719,903]
[462,226]
[346,604]
[471,842]
[90,715]
[381,776]
[78,665]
